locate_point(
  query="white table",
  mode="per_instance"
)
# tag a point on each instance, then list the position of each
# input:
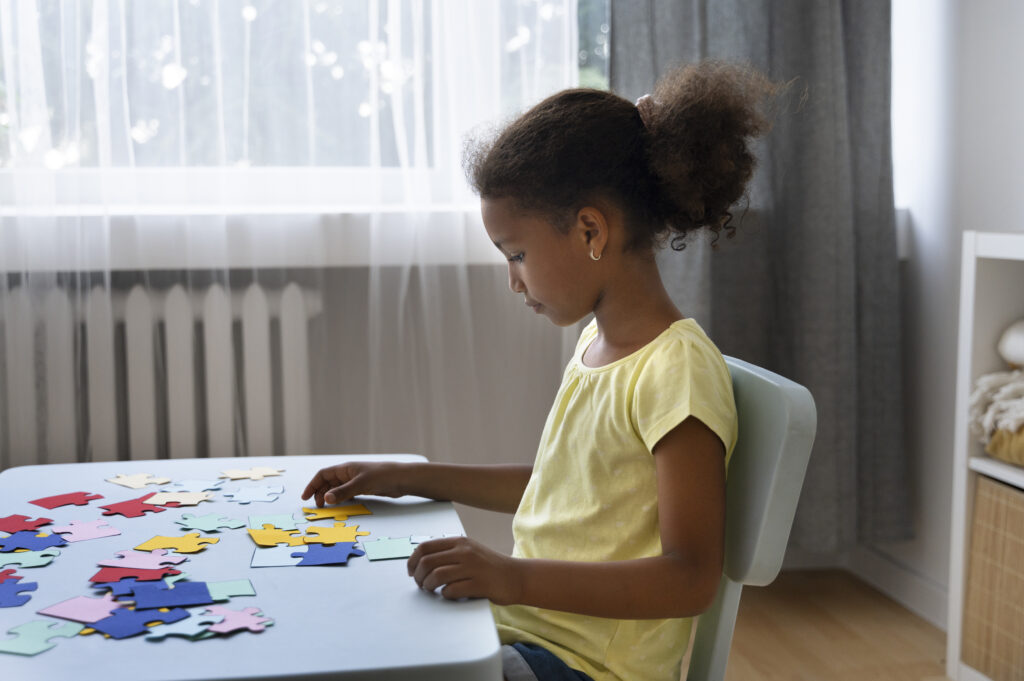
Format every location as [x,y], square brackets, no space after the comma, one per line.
[366,620]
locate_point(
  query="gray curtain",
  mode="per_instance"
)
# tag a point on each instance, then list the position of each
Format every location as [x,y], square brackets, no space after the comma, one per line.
[809,286]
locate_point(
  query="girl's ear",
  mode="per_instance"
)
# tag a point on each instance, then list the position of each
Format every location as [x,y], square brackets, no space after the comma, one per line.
[592,230]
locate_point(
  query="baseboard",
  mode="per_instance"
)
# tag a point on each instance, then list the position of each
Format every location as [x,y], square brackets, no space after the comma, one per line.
[918,594]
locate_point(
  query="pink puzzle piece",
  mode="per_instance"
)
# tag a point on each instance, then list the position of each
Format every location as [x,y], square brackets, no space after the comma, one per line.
[238,619]
[143,560]
[80,530]
[72,498]
[19,523]
[84,609]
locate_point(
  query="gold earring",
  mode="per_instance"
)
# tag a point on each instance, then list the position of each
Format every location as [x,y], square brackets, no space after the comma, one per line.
[593,257]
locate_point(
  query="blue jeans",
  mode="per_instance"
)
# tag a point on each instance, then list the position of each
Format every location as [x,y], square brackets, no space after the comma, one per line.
[529,662]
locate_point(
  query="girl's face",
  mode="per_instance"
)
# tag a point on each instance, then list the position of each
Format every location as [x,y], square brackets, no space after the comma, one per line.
[552,270]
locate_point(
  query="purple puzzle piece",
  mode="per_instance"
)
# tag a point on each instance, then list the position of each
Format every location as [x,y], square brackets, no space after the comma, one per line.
[83,609]
[334,554]
[144,560]
[27,539]
[79,530]
[159,595]
[124,623]
[9,596]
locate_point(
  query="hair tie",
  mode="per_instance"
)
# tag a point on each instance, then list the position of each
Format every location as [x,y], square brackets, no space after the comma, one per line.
[645,106]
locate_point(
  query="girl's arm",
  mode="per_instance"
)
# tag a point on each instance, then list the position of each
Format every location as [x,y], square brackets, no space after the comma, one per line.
[495,488]
[682,582]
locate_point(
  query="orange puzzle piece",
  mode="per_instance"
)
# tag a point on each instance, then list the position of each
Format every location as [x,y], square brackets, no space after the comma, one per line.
[340,532]
[272,536]
[337,513]
[189,543]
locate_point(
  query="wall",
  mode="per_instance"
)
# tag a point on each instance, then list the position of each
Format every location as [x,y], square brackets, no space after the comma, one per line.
[958,155]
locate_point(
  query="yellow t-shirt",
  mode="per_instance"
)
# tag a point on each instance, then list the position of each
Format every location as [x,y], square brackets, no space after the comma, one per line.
[593,492]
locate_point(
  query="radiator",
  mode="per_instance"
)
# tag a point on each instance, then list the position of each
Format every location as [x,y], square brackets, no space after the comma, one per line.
[145,374]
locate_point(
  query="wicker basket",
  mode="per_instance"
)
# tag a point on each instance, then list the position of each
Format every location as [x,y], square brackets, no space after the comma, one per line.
[993,634]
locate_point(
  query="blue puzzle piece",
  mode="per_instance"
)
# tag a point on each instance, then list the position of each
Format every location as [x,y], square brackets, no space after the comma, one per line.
[124,622]
[9,596]
[245,495]
[333,554]
[27,559]
[193,486]
[27,539]
[120,588]
[159,595]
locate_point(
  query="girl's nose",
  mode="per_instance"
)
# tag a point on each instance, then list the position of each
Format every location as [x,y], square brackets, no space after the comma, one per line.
[514,282]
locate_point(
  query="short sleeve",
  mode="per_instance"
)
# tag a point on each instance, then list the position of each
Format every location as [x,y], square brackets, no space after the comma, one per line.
[685,376]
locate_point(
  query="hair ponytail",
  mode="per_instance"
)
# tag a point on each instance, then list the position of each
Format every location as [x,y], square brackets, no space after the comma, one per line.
[676,169]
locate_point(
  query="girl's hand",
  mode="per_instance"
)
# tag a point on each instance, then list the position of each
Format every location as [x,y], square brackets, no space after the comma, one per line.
[466,569]
[337,484]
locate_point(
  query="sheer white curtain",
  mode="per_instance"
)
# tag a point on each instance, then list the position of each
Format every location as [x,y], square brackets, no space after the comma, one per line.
[152,152]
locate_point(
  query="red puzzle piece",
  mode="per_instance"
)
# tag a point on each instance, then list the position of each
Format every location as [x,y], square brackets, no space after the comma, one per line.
[136,508]
[18,523]
[76,498]
[115,574]
[8,574]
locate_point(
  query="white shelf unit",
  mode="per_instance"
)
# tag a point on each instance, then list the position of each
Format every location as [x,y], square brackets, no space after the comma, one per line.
[991,298]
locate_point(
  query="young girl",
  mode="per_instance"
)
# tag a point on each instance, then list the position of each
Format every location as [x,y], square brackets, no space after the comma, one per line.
[619,524]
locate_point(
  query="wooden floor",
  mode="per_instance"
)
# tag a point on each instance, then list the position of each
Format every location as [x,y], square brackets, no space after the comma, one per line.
[829,626]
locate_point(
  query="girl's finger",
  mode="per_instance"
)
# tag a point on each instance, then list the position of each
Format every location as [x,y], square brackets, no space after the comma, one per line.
[441,576]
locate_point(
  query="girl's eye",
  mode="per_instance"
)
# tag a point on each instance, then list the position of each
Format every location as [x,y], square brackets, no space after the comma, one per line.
[518,257]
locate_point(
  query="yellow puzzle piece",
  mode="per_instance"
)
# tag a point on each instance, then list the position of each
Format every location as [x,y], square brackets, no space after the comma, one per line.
[255,473]
[272,536]
[332,535]
[337,513]
[189,543]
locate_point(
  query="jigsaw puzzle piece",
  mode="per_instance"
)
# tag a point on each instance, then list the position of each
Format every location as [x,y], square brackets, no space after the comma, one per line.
[137,480]
[269,536]
[275,556]
[180,498]
[84,609]
[125,622]
[388,548]
[335,554]
[194,628]
[227,589]
[133,508]
[339,532]
[11,595]
[235,620]
[188,543]
[145,560]
[8,574]
[117,589]
[281,521]
[159,595]
[29,559]
[21,523]
[193,486]
[245,495]
[211,522]
[255,473]
[116,574]
[72,498]
[29,540]
[336,513]
[35,637]
[80,530]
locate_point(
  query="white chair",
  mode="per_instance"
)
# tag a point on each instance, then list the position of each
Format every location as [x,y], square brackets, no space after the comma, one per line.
[777,420]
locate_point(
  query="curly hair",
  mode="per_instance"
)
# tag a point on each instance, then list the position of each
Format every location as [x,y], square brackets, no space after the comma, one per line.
[678,169]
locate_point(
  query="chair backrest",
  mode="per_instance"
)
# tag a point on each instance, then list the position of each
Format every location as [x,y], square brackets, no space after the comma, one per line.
[777,421]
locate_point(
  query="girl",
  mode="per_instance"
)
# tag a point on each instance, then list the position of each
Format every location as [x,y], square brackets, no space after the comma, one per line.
[619,524]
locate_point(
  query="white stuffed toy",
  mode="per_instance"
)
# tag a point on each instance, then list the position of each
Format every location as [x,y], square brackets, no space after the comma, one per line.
[997,403]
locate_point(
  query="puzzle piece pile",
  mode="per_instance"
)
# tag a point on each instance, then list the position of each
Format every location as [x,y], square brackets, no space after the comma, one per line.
[141,590]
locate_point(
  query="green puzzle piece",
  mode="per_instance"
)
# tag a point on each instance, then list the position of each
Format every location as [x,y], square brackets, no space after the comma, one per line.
[386,549]
[33,638]
[28,559]
[222,591]
[211,522]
